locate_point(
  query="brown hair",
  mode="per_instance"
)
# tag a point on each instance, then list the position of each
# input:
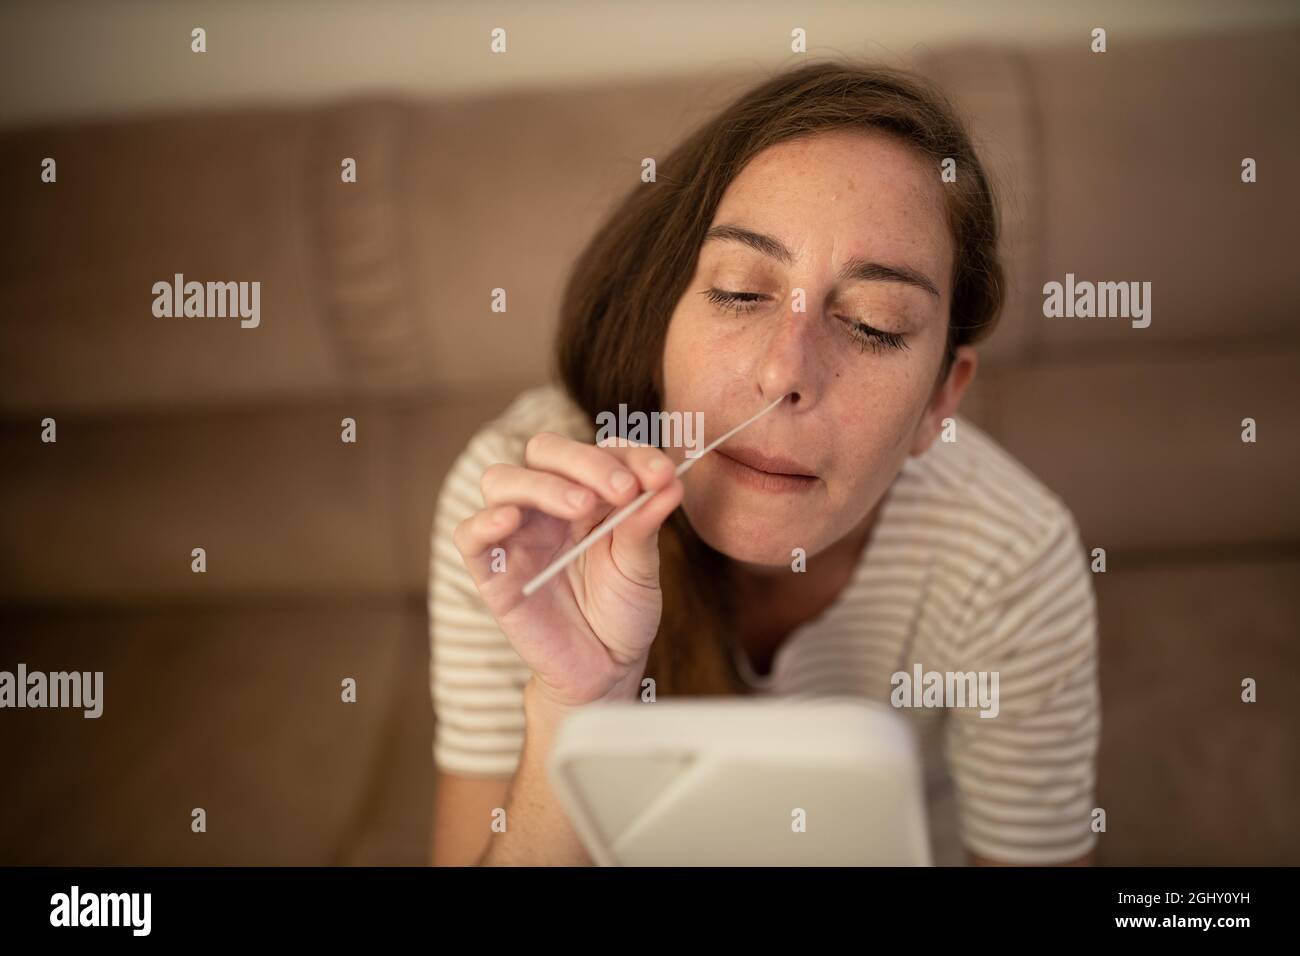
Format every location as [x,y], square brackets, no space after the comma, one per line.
[627,281]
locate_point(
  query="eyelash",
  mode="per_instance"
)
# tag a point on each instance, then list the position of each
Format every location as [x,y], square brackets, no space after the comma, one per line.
[864,335]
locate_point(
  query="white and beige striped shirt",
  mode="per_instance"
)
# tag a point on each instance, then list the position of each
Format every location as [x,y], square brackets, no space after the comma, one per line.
[973,565]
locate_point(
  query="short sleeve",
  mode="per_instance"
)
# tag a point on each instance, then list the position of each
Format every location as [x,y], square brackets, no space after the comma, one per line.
[476,678]
[1025,778]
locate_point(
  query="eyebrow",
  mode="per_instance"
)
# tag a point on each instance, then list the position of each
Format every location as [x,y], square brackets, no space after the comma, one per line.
[862,270]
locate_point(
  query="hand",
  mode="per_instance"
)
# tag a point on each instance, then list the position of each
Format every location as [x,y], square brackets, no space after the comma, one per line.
[586,634]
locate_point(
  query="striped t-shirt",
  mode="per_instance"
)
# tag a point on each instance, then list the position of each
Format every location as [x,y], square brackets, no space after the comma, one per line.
[973,565]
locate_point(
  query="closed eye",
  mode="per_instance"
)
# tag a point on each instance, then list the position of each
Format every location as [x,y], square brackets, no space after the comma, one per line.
[864,335]
[737,302]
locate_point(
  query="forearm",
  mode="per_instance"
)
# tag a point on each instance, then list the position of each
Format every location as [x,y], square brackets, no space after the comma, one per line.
[538,831]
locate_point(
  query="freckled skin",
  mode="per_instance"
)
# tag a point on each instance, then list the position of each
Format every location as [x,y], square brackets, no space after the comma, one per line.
[861,411]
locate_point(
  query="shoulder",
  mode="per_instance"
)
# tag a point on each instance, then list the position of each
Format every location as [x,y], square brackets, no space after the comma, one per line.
[976,472]
[1026,617]
[544,408]
[1000,529]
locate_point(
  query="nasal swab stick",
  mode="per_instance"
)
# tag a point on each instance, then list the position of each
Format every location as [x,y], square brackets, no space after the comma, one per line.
[564,560]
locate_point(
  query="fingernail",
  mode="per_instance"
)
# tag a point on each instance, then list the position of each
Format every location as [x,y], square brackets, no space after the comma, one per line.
[657,464]
[622,480]
[576,497]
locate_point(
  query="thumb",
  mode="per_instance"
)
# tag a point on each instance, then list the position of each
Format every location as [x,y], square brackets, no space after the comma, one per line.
[634,545]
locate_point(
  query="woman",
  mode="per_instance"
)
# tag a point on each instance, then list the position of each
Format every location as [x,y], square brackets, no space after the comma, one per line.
[812,241]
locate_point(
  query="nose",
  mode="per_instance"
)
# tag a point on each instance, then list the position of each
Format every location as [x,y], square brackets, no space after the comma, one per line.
[788,364]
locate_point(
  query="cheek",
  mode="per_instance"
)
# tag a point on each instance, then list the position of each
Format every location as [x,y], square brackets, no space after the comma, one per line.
[881,405]
[675,363]
[682,377]
[881,416]
[694,357]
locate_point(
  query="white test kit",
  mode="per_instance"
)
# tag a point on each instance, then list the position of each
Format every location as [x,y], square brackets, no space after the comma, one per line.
[826,781]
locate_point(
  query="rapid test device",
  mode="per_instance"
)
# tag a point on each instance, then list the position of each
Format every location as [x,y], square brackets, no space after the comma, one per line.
[829,781]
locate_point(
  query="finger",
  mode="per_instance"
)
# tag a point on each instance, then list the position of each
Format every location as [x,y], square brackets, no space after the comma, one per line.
[634,544]
[481,530]
[653,467]
[599,469]
[503,484]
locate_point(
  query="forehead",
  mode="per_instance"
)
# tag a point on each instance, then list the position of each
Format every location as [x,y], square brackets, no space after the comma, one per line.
[845,193]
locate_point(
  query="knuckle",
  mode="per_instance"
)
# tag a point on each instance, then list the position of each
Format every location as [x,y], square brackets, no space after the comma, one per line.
[572,494]
[650,453]
[491,475]
[538,444]
[612,452]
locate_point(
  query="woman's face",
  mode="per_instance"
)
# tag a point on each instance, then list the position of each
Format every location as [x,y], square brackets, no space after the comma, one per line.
[856,220]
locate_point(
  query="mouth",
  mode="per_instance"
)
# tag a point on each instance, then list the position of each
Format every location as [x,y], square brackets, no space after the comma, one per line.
[767,472]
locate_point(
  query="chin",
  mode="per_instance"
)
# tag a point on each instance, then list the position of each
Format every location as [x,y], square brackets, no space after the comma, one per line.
[743,538]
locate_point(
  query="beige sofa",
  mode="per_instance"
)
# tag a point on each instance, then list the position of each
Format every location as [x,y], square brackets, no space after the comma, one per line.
[223,688]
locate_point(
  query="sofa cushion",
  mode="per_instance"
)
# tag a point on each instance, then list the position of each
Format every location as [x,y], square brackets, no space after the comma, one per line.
[1148,452]
[1189,774]
[111,512]
[235,710]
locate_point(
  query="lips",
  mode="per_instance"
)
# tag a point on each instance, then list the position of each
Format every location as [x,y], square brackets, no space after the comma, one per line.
[771,464]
